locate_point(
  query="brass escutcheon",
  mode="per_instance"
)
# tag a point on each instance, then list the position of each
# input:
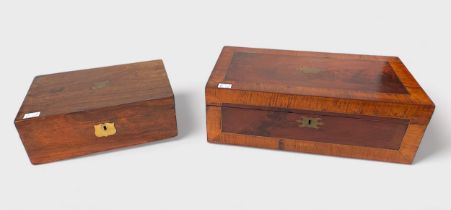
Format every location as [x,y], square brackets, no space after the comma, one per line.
[310,122]
[104,129]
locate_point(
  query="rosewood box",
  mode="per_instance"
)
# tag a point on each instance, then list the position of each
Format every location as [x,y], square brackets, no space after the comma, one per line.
[357,106]
[75,113]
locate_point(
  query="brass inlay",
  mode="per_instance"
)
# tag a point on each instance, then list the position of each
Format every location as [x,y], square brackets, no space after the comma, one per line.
[309,70]
[99,85]
[104,129]
[310,122]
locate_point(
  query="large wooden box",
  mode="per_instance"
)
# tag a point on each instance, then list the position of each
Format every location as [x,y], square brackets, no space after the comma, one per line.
[76,113]
[346,105]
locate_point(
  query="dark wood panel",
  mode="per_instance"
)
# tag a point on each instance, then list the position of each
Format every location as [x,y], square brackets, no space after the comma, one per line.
[349,78]
[405,154]
[317,72]
[349,130]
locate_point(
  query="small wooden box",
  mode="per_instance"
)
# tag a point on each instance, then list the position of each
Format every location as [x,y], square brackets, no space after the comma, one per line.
[346,105]
[75,113]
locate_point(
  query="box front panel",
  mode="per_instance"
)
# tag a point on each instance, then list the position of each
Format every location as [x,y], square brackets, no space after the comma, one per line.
[375,132]
[65,136]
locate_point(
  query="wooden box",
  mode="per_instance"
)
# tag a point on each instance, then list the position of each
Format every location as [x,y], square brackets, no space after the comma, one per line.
[75,113]
[345,105]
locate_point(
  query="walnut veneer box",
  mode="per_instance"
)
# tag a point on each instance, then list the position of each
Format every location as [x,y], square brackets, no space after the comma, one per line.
[346,105]
[76,113]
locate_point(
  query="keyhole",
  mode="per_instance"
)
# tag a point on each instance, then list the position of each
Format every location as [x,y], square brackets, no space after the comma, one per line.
[309,122]
[104,127]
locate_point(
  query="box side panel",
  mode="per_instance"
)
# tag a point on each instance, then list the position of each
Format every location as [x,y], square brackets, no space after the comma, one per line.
[60,137]
[316,126]
[219,132]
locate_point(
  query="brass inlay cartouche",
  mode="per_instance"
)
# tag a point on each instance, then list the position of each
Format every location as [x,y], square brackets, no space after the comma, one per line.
[309,70]
[104,129]
[310,122]
[99,85]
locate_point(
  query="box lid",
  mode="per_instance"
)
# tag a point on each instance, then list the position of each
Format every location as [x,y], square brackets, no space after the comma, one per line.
[83,90]
[331,82]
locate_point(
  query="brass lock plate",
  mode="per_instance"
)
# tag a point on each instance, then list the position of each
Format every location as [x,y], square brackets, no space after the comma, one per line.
[104,129]
[310,122]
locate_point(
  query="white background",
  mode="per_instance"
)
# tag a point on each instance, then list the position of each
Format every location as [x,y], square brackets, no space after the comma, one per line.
[41,37]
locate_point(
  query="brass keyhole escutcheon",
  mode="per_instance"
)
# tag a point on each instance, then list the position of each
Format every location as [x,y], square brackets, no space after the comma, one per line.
[104,129]
[310,122]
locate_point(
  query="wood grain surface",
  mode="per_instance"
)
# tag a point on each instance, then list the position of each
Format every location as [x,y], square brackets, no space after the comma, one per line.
[82,90]
[316,72]
[136,98]
[336,129]
[390,110]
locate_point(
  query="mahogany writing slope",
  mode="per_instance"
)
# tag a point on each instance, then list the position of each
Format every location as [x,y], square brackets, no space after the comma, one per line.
[345,105]
[75,113]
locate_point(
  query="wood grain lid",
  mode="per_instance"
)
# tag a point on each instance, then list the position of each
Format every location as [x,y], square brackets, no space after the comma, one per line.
[343,83]
[82,90]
